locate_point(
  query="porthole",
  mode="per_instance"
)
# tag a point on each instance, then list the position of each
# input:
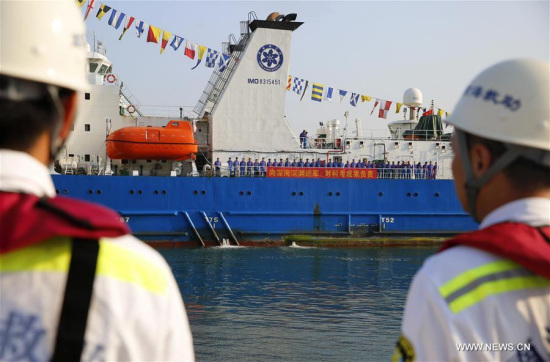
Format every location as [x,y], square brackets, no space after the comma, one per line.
[57,191]
[65,191]
[98,192]
[330,193]
[90,191]
[409,194]
[436,194]
[415,194]
[140,192]
[249,193]
[195,192]
[380,194]
[156,192]
[241,193]
[337,194]
[164,192]
[203,192]
[293,193]
[132,192]
[301,193]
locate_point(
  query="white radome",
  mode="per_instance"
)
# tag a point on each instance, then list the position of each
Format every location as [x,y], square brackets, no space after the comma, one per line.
[412,97]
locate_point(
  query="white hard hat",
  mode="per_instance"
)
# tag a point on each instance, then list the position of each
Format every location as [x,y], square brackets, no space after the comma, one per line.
[509,102]
[43,41]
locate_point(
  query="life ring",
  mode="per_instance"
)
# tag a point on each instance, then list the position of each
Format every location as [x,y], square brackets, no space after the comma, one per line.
[111,78]
[131,109]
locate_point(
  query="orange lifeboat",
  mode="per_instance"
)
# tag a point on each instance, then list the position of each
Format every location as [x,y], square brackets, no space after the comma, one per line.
[173,142]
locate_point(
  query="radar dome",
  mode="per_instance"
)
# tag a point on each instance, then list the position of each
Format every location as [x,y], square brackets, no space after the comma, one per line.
[412,97]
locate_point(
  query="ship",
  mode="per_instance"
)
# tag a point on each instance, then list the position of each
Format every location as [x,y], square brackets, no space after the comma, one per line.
[183,192]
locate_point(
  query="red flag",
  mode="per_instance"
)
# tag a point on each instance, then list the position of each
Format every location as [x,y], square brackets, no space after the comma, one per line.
[428,113]
[153,35]
[190,49]
[90,7]
[384,108]
[373,108]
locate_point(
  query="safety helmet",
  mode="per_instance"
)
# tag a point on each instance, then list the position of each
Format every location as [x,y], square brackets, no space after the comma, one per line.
[509,102]
[43,41]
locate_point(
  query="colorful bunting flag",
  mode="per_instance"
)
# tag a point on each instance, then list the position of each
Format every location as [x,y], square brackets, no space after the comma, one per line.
[90,7]
[190,49]
[440,112]
[80,2]
[398,107]
[298,85]
[202,50]
[354,99]
[211,56]
[140,28]
[127,26]
[116,18]
[365,98]
[305,90]
[224,61]
[328,94]
[375,104]
[176,42]
[289,83]
[317,92]
[342,94]
[165,37]
[384,108]
[103,9]
[153,35]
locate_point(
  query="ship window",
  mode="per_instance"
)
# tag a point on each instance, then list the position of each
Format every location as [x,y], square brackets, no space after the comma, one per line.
[87,158]
[110,70]
[87,96]
[93,67]
[175,124]
[71,154]
[102,69]
[87,127]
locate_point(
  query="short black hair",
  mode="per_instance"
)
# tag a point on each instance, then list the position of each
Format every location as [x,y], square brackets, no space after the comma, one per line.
[522,173]
[22,122]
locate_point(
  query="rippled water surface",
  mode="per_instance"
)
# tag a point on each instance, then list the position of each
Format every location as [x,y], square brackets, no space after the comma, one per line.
[299,304]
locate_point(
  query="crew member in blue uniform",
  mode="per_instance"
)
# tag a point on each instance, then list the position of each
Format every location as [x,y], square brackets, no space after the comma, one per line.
[306,164]
[230,167]
[236,166]
[418,171]
[243,167]
[429,169]
[269,164]
[218,167]
[329,163]
[303,139]
[425,171]
[256,168]
[293,164]
[318,163]
[301,163]
[287,163]
[409,170]
[434,172]
[262,167]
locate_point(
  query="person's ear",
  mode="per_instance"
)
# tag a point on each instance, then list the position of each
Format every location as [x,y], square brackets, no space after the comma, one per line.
[480,158]
[69,105]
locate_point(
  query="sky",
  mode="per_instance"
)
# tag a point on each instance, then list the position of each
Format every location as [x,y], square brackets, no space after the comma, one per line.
[376,48]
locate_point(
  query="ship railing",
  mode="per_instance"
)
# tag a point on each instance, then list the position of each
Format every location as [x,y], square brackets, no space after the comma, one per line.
[406,173]
[168,111]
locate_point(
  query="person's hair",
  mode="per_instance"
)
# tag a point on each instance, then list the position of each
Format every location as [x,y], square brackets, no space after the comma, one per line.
[522,173]
[22,122]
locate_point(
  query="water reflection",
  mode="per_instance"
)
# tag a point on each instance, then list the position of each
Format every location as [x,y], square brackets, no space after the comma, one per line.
[295,303]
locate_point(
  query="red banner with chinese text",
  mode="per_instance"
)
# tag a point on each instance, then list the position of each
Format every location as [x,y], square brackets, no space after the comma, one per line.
[321,172]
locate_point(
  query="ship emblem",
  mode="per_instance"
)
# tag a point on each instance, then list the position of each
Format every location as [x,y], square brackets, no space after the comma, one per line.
[270,58]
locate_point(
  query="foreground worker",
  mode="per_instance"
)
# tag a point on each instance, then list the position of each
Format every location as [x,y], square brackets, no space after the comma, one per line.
[74,283]
[486,295]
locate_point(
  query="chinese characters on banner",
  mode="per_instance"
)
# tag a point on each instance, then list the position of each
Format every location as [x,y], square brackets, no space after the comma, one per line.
[321,172]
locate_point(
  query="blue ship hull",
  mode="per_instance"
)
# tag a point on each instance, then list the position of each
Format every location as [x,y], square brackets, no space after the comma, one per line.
[195,210]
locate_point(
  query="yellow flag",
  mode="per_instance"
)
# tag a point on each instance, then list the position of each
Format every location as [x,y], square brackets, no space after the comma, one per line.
[80,2]
[165,37]
[202,50]
[440,112]
[103,9]
[398,107]
[365,98]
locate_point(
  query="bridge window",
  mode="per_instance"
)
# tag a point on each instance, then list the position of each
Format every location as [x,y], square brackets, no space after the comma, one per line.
[87,96]
[102,69]
[87,127]
[93,67]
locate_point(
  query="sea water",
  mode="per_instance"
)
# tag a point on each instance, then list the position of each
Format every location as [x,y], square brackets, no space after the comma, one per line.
[295,303]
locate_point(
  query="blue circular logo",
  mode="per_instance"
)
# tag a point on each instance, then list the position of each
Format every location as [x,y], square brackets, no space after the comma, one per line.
[270,58]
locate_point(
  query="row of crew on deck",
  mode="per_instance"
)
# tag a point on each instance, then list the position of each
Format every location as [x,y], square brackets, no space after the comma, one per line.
[386,169]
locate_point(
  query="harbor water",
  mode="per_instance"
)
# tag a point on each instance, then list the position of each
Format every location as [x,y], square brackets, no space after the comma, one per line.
[295,303]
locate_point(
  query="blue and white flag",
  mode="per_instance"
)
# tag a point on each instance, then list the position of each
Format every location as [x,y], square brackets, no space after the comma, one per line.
[328,94]
[116,18]
[211,57]
[224,61]
[297,85]
[342,94]
[140,27]
[354,99]
[176,42]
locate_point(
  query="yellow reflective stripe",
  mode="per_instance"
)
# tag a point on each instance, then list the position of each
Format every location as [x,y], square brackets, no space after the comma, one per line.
[53,255]
[469,276]
[497,287]
[123,264]
[113,261]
